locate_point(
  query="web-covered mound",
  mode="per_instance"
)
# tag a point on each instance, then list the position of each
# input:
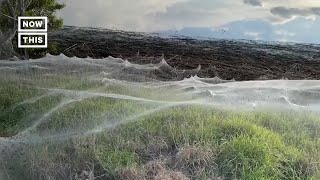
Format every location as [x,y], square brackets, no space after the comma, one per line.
[58,98]
[73,82]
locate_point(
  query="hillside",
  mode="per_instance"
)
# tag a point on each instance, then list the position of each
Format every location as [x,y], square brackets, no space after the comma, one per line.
[239,60]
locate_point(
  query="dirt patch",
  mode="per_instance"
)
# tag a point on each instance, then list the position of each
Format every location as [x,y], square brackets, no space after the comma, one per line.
[153,170]
[186,162]
[195,160]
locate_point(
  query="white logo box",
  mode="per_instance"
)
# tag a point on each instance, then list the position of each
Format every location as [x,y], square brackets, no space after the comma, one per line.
[32,18]
[33,46]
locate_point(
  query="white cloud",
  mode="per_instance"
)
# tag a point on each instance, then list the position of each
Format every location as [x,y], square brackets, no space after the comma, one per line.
[122,14]
[252,34]
[312,18]
[284,33]
[155,15]
[253,2]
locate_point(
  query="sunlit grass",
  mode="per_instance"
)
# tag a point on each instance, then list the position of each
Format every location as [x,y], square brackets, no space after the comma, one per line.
[178,142]
[200,143]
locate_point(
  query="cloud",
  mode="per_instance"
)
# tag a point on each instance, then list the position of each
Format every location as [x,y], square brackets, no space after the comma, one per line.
[288,13]
[284,11]
[252,34]
[284,33]
[241,18]
[157,15]
[205,13]
[298,30]
[253,2]
[120,14]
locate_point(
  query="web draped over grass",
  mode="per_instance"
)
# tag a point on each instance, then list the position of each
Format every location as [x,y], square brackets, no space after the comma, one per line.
[66,117]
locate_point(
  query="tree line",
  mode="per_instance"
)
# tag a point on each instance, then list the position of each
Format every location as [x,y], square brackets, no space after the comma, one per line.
[10,10]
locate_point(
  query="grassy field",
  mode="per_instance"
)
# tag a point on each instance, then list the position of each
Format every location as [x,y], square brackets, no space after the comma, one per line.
[90,135]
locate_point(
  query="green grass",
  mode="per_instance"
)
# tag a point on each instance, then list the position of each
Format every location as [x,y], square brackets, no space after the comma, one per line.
[179,142]
[10,114]
[88,114]
[116,159]
[203,143]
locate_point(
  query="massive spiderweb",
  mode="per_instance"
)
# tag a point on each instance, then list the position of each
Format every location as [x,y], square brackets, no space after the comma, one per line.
[81,97]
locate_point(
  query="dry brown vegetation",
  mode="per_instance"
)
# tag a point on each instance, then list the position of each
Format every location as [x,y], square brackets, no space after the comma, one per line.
[226,59]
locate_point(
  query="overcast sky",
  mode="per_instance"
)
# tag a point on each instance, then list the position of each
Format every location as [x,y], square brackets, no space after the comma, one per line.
[276,20]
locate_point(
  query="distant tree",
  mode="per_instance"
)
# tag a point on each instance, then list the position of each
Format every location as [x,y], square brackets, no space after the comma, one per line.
[11,9]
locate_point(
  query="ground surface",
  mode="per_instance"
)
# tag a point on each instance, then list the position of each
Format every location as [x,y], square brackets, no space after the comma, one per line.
[241,60]
[79,118]
[82,118]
